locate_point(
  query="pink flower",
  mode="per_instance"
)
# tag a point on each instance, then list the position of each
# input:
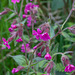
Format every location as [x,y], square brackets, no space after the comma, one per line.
[45,37]
[15,70]
[29,21]
[14,1]
[13,26]
[29,7]
[6,43]
[19,40]
[23,48]
[37,33]
[39,54]
[24,16]
[11,30]
[69,68]
[31,0]
[48,56]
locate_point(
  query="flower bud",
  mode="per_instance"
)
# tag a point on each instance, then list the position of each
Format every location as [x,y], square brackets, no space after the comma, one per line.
[5,11]
[37,46]
[72,29]
[65,60]
[42,49]
[20,31]
[48,56]
[49,67]
[15,70]
[39,54]
[47,49]
[45,27]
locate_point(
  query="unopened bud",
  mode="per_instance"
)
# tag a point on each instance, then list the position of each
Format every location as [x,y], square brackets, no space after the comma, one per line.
[72,29]
[47,49]
[65,60]
[42,49]
[37,46]
[49,67]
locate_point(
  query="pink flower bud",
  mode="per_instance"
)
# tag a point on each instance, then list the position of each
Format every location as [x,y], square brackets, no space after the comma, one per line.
[19,40]
[13,70]
[39,54]
[24,16]
[11,30]
[65,60]
[48,56]
[20,31]
[13,26]
[42,49]
[72,29]
[37,46]
[47,49]
[49,67]
[45,37]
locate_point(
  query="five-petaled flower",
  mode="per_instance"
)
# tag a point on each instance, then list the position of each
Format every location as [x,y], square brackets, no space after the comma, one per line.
[37,33]
[6,43]
[45,37]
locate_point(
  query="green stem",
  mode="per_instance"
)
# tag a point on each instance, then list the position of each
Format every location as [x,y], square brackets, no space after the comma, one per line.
[57,54]
[66,19]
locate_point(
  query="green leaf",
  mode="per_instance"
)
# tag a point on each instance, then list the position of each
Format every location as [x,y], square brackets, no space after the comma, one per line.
[59,67]
[26,37]
[57,4]
[55,49]
[20,60]
[68,37]
[37,59]
[11,16]
[42,63]
[52,34]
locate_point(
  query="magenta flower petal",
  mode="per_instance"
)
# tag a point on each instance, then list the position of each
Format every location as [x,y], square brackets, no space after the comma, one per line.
[6,43]
[45,37]
[11,29]
[24,16]
[48,56]
[69,68]
[34,32]
[39,54]
[13,70]
[4,40]
[39,31]
[14,1]
[19,40]
[13,26]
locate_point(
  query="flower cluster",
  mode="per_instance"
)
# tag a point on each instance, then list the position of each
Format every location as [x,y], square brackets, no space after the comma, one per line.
[32,10]
[49,67]
[25,50]
[68,67]
[39,34]
[14,1]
